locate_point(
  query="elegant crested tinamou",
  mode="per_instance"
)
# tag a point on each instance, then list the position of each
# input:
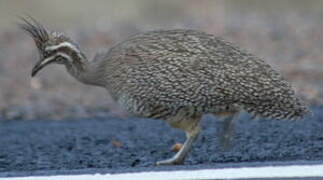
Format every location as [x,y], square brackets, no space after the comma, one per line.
[176,76]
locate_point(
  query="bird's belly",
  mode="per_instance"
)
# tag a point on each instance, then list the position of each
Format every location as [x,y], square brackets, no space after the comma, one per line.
[152,109]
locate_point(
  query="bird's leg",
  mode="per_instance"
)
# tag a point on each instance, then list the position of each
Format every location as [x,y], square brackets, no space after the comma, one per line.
[227,130]
[191,136]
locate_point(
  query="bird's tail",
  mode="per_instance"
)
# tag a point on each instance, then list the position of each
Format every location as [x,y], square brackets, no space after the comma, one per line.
[285,108]
[300,110]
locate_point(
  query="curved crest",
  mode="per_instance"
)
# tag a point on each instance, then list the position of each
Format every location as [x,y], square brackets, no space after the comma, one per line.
[38,32]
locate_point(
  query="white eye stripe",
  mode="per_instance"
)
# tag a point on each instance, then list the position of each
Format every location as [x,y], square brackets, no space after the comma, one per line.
[64,44]
[55,56]
[48,59]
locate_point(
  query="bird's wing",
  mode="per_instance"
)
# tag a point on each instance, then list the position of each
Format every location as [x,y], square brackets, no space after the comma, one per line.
[196,69]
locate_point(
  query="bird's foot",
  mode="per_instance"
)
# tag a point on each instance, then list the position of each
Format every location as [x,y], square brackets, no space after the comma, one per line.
[179,157]
[171,161]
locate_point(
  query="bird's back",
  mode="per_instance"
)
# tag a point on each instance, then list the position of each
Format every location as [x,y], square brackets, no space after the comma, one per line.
[179,69]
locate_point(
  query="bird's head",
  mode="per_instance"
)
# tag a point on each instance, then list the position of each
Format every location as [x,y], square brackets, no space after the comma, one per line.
[53,47]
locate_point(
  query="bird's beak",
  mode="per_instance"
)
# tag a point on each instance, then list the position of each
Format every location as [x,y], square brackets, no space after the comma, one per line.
[40,65]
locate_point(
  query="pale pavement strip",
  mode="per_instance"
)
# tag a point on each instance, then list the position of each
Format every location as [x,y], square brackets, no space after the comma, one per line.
[226,173]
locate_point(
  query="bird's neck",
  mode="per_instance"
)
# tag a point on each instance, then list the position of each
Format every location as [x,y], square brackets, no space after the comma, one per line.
[85,71]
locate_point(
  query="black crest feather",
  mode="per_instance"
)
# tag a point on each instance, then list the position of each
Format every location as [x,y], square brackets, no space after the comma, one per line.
[38,32]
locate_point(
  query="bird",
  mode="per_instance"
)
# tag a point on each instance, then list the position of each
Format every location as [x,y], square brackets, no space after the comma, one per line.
[175,75]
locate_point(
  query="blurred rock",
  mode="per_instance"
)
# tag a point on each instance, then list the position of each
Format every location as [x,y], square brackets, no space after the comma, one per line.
[36,83]
[177,147]
[13,113]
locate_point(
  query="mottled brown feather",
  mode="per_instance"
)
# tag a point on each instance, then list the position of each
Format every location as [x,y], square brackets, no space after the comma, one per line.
[188,69]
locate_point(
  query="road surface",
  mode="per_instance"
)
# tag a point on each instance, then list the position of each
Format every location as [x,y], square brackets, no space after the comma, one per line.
[115,145]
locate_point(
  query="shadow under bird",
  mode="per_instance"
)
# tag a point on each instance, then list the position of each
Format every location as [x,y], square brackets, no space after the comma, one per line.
[177,76]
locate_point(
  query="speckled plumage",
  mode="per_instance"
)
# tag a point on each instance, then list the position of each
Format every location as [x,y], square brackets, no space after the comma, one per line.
[159,73]
[176,76]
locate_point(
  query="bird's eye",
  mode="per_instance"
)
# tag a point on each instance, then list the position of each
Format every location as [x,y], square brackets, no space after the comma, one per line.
[59,59]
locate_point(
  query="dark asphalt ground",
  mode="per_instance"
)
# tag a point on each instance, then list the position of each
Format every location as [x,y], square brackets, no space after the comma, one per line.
[118,145]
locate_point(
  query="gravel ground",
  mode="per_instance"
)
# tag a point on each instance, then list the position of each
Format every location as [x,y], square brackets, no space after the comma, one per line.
[116,144]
